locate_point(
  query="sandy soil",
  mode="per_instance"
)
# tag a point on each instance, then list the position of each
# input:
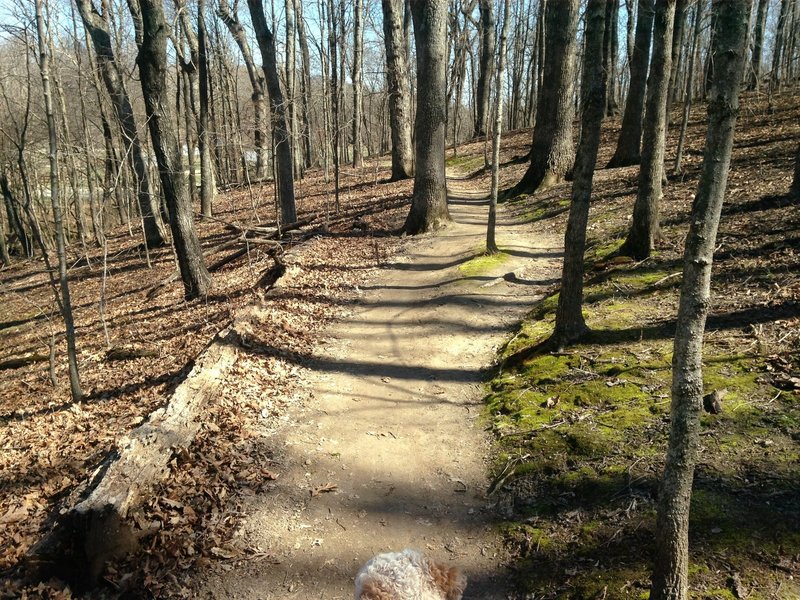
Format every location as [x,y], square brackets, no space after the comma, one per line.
[390,453]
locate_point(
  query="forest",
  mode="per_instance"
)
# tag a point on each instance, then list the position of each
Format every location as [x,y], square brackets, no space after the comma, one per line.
[514,283]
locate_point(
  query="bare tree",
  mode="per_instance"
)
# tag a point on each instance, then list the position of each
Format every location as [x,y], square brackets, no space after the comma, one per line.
[305,84]
[280,130]
[758,44]
[358,86]
[66,303]
[671,564]
[491,243]
[152,63]
[570,324]
[687,102]
[778,52]
[429,202]
[97,27]
[335,102]
[231,21]
[487,25]
[610,53]
[399,89]
[630,135]
[552,152]
[645,229]
[208,186]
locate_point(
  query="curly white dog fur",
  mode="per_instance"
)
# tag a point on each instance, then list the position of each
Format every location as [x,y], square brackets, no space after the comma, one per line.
[408,575]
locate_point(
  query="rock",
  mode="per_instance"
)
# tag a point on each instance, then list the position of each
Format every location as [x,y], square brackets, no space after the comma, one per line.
[712,403]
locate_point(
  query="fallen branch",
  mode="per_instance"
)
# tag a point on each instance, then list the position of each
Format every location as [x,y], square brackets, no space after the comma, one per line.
[29,359]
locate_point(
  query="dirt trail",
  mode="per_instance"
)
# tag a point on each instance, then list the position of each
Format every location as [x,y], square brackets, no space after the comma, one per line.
[395,423]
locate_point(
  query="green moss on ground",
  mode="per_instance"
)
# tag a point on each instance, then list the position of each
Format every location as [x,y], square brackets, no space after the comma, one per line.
[581,439]
[483,264]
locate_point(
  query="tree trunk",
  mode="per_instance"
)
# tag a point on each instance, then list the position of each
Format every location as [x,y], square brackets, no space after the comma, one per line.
[610,54]
[778,51]
[231,21]
[305,85]
[399,89]
[491,243]
[795,189]
[552,153]
[336,107]
[291,79]
[97,27]
[670,572]
[687,102]
[570,324]
[677,51]
[66,303]
[152,62]
[283,148]
[207,179]
[644,231]
[630,136]
[3,243]
[358,88]
[429,202]
[630,8]
[486,8]
[758,44]
[14,218]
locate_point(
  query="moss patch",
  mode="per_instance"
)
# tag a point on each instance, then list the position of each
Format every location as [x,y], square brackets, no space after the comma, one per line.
[483,265]
[581,439]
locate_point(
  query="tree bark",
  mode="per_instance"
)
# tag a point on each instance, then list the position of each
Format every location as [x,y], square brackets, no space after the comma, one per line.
[570,325]
[152,62]
[399,89]
[283,148]
[630,136]
[687,102]
[491,243]
[429,202]
[644,231]
[97,27]
[208,188]
[670,572]
[552,153]
[778,51]
[291,79]
[758,44]
[14,218]
[795,189]
[610,52]
[336,107]
[358,87]
[487,25]
[231,21]
[66,303]
[305,85]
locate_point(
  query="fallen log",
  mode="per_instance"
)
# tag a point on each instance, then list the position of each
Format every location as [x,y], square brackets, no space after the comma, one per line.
[95,526]
[21,361]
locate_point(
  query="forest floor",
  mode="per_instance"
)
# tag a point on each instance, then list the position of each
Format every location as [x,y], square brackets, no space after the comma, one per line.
[269,489]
